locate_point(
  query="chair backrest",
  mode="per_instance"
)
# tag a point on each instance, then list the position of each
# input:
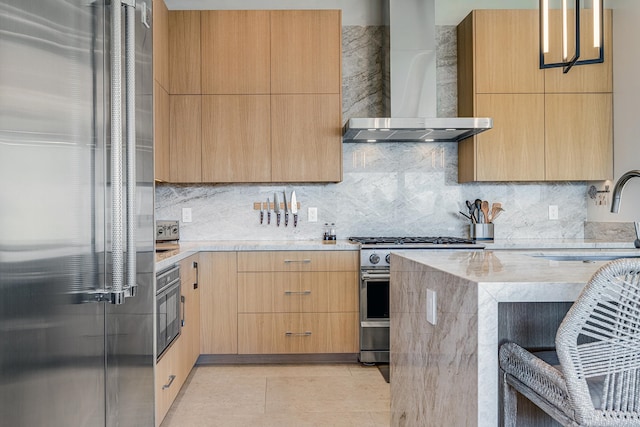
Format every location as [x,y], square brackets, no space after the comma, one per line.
[598,345]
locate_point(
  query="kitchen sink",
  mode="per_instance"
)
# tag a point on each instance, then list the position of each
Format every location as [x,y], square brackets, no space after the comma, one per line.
[588,257]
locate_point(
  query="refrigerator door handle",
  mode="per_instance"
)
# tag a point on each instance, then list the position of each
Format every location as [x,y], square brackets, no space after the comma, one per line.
[119,289]
[130,82]
[117,237]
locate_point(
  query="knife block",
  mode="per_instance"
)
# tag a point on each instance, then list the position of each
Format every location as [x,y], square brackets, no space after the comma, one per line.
[258,205]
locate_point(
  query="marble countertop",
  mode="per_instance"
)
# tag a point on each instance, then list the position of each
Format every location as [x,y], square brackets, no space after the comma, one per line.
[187,248]
[508,268]
[167,258]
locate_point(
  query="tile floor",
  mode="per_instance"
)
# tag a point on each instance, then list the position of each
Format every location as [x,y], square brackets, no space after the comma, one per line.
[282,395]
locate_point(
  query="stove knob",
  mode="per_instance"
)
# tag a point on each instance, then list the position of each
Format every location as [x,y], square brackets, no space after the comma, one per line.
[388,258]
[374,258]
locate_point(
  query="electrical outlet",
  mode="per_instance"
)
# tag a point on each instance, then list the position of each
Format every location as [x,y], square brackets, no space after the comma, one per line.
[312,214]
[432,307]
[553,212]
[186,215]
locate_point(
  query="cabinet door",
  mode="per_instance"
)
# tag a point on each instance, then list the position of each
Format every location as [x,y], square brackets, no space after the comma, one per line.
[191,312]
[161,150]
[579,137]
[218,303]
[581,78]
[290,333]
[306,143]
[514,149]
[236,52]
[184,52]
[186,138]
[161,43]
[169,379]
[506,52]
[306,51]
[236,143]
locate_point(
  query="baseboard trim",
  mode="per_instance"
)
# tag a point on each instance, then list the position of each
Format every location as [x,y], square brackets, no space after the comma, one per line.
[240,359]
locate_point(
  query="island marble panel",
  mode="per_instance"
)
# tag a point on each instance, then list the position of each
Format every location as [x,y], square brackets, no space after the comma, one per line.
[447,374]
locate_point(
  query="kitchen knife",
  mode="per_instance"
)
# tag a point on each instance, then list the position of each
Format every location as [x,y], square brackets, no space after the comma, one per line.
[261,214]
[286,209]
[268,211]
[276,208]
[294,208]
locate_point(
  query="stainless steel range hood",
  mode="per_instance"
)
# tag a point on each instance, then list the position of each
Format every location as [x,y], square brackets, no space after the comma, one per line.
[411,84]
[414,129]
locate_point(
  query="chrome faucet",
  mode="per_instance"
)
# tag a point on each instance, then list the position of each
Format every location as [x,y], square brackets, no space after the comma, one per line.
[617,195]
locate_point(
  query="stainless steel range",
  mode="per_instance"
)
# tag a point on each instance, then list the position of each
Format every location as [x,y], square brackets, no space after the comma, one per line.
[375,254]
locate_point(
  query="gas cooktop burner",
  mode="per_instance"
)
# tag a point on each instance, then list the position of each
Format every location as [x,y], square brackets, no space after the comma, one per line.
[410,240]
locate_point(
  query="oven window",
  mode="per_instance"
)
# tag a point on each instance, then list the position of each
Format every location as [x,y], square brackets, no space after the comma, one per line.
[378,300]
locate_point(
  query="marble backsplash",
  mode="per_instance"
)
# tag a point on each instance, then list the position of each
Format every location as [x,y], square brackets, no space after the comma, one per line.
[388,188]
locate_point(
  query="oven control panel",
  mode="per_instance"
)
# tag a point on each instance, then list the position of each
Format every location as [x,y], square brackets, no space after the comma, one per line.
[167,230]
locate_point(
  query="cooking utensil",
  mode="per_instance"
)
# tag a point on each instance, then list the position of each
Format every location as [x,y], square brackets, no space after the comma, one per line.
[485,211]
[478,206]
[464,215]
[276,208]
[286,209]
[294,208]
[268,211]
[496,208]
[471,208]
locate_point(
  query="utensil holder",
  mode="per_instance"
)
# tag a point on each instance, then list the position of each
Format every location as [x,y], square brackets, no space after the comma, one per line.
[481,232]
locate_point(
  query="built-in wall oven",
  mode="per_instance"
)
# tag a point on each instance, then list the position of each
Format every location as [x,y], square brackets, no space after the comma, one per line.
[375,257]
[168,301]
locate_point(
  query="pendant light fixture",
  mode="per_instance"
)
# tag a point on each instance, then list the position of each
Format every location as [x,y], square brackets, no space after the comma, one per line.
[598,37]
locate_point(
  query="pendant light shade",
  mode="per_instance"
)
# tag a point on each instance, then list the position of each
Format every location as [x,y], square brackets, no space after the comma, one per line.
[596,25]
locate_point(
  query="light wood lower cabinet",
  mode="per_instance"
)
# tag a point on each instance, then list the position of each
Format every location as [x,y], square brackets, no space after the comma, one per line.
[218,303]
[297,302]
[176,363]
[286,333]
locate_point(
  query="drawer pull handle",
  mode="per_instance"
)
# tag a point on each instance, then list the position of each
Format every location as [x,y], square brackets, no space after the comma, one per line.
[303,261]
[298,334]
[297,292]
[167,385]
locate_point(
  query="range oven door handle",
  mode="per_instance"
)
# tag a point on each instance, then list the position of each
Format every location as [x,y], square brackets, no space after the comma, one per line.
[375,277]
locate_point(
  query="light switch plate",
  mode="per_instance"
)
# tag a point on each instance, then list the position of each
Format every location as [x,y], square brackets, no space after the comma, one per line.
[312,214]
[186,215]
[432,307]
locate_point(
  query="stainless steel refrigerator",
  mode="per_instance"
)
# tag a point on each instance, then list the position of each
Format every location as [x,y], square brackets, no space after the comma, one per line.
[76,213]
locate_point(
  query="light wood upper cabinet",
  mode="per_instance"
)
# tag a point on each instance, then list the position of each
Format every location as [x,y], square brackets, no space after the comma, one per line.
[579,136]
[236,143]
[161,132]
[186,138]
[547,126]
[236,52]
[582,78]
[161,43]
[305,51]
[218,303]
[184,52]
[518,140]
[306,141]
[512,65]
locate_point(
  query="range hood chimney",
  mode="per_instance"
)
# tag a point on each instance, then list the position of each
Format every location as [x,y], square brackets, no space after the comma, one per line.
[412,63]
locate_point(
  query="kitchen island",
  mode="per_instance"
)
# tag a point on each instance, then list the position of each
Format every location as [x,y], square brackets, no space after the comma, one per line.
[449,312]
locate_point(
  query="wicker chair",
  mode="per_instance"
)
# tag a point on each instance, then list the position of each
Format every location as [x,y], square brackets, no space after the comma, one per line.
[593,377]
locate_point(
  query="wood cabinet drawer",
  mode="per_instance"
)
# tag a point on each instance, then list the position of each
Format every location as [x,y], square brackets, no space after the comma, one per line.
[169,379]
[276,292]
[290,333]
[298,261]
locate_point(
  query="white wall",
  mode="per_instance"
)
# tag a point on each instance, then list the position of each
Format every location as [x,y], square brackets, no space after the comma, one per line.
[626,107]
